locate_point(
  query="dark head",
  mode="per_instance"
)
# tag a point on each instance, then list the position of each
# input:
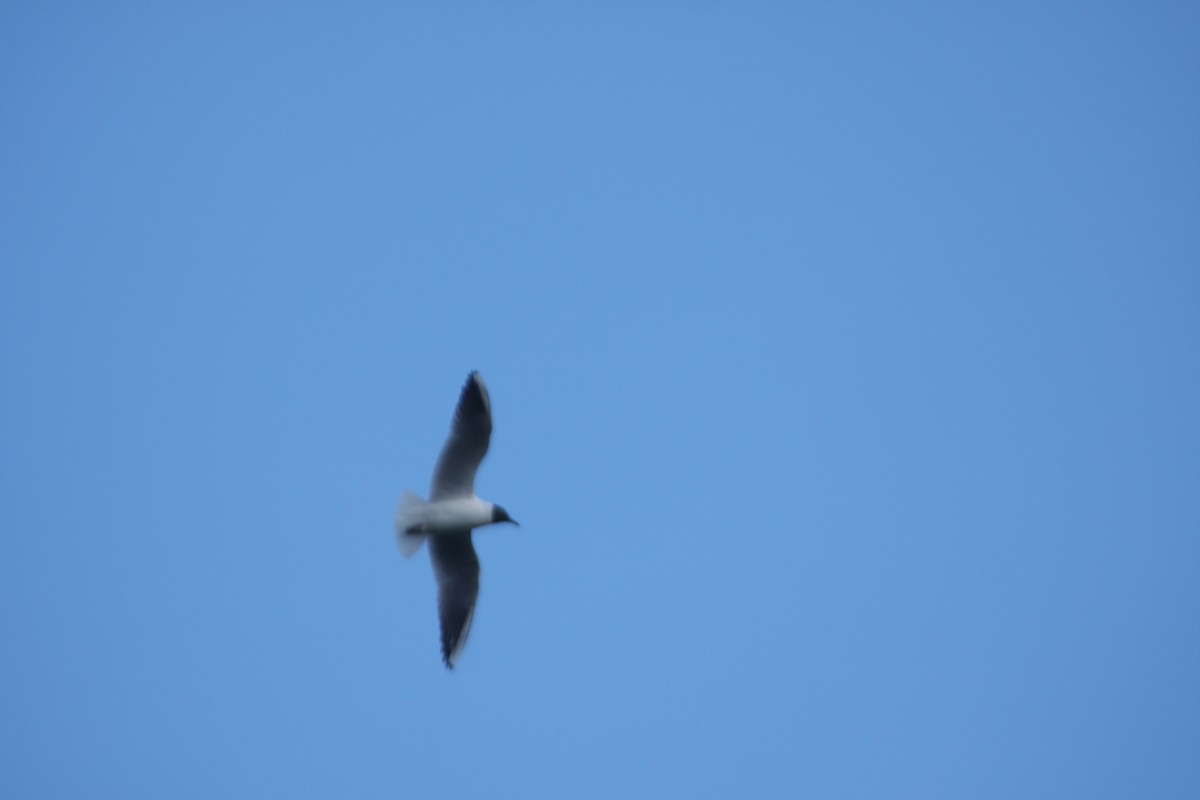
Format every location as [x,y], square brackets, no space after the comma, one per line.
[500,515]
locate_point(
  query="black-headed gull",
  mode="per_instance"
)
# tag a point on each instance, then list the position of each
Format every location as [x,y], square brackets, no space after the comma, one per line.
[452,512]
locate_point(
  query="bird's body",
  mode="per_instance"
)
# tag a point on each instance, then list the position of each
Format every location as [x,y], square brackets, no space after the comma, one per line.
[442,516]
[452,512]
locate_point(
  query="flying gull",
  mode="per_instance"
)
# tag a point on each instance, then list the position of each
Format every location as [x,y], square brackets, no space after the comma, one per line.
[452,512]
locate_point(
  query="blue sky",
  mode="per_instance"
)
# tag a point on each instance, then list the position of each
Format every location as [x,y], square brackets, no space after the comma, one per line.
[844,367]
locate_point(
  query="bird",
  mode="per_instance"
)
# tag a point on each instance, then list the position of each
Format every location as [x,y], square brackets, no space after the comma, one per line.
[452,512]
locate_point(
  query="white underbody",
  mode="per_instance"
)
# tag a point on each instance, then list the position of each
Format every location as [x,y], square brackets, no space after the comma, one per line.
[416,519]
[455,514]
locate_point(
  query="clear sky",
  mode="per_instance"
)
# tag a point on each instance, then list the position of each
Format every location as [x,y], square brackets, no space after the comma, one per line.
[845,364]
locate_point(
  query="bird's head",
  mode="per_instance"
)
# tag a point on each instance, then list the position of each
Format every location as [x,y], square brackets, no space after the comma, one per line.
[500,515]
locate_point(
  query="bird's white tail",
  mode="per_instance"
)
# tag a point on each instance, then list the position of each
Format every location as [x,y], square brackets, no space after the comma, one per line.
[410,514]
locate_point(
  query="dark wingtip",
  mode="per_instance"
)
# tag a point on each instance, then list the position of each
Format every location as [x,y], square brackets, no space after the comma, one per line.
[472,399]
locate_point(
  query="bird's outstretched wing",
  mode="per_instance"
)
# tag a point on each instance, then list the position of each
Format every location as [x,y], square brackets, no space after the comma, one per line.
[470,433]
[457,569]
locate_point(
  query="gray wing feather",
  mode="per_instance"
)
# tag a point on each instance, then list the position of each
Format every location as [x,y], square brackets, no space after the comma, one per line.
[470,433]
[457,569]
